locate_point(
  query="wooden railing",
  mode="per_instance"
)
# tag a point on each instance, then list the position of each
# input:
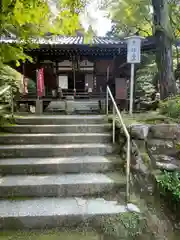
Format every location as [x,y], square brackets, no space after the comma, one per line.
[77,95]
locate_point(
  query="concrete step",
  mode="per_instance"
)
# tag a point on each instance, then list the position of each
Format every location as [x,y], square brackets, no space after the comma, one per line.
[66,185]
[55,138]
[58,120]
[79,128]
[56,212]
[79,164]
[54,150]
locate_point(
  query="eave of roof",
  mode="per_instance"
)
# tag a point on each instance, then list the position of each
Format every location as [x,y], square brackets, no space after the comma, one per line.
[78,41]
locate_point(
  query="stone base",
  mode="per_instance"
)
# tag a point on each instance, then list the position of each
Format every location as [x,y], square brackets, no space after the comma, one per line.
[39,107]
[69,106]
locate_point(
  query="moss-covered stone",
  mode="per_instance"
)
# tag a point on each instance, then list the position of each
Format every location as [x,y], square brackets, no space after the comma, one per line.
[123,226]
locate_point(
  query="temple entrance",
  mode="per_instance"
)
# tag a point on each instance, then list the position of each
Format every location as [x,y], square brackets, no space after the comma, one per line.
[80,81]
[77,81]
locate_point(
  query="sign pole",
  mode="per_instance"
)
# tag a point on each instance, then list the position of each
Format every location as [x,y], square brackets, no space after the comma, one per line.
[131,89]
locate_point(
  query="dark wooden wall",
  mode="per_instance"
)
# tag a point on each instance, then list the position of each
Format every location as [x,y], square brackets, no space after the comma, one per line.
[101,73]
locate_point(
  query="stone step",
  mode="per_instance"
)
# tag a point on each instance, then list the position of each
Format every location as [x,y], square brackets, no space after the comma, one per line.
[79,164]
[168,166]
[158,146]
[54,150]
[168,163]
[55,138]
[66,185]
[56,212]
[79,128]
[58,120]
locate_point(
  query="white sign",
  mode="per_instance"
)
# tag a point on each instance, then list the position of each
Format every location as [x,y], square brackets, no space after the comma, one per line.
[63,82]
[134,50]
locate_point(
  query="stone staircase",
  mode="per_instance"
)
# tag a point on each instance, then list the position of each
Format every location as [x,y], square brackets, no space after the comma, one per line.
[55,170]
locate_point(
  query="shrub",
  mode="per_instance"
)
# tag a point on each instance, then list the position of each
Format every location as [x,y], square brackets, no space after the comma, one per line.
[170,182]
[170,107]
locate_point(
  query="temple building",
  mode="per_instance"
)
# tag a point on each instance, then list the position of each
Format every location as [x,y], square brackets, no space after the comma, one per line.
[80,69]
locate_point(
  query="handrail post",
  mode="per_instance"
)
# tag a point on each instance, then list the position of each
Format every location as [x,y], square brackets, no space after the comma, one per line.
[128,158]
[114,122]
[12,102]
[107,102]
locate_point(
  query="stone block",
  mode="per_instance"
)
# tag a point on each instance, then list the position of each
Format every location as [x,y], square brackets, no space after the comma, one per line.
[39,107]
[165,131]
[166,147]
[139,131]
[69,106]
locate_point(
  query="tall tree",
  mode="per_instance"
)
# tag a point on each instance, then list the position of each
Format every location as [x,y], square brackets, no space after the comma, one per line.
[164,39]
[151,17]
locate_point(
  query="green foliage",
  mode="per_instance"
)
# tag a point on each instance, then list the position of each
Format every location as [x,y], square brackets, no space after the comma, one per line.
[170,182]
[145,77]
[131,16]
[170,107]
[26,19]
[31,86]
[8,77]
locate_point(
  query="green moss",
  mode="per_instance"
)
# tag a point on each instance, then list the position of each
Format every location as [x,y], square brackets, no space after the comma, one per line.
[152,117]
[146,159]
[48,235]
[123,226]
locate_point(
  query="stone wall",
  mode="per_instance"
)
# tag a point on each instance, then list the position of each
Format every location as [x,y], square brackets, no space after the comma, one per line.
[154,147]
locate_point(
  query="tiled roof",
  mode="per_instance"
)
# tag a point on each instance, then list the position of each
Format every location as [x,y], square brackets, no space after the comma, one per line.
[63,40]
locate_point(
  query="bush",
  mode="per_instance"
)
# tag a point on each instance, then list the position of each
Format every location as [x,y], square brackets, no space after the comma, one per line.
[170,182]
[170,107]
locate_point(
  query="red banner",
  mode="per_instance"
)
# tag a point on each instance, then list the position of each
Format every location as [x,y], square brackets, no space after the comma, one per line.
[40,82]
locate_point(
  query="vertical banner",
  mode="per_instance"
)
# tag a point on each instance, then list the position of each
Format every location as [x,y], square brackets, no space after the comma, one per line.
[40,82]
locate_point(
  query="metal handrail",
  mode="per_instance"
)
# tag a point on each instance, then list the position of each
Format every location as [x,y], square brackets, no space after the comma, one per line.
[128,153]
[5,90]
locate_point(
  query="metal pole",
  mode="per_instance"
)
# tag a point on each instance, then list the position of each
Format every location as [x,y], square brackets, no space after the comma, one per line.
[12,103]
[128,163]
[114,122]
[74,75]
[131,89]
[107,96]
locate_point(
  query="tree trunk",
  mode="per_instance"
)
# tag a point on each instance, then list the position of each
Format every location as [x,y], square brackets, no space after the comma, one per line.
[164,60]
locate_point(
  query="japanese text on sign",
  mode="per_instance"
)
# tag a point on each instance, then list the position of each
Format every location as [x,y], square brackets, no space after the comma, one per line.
[133,51]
